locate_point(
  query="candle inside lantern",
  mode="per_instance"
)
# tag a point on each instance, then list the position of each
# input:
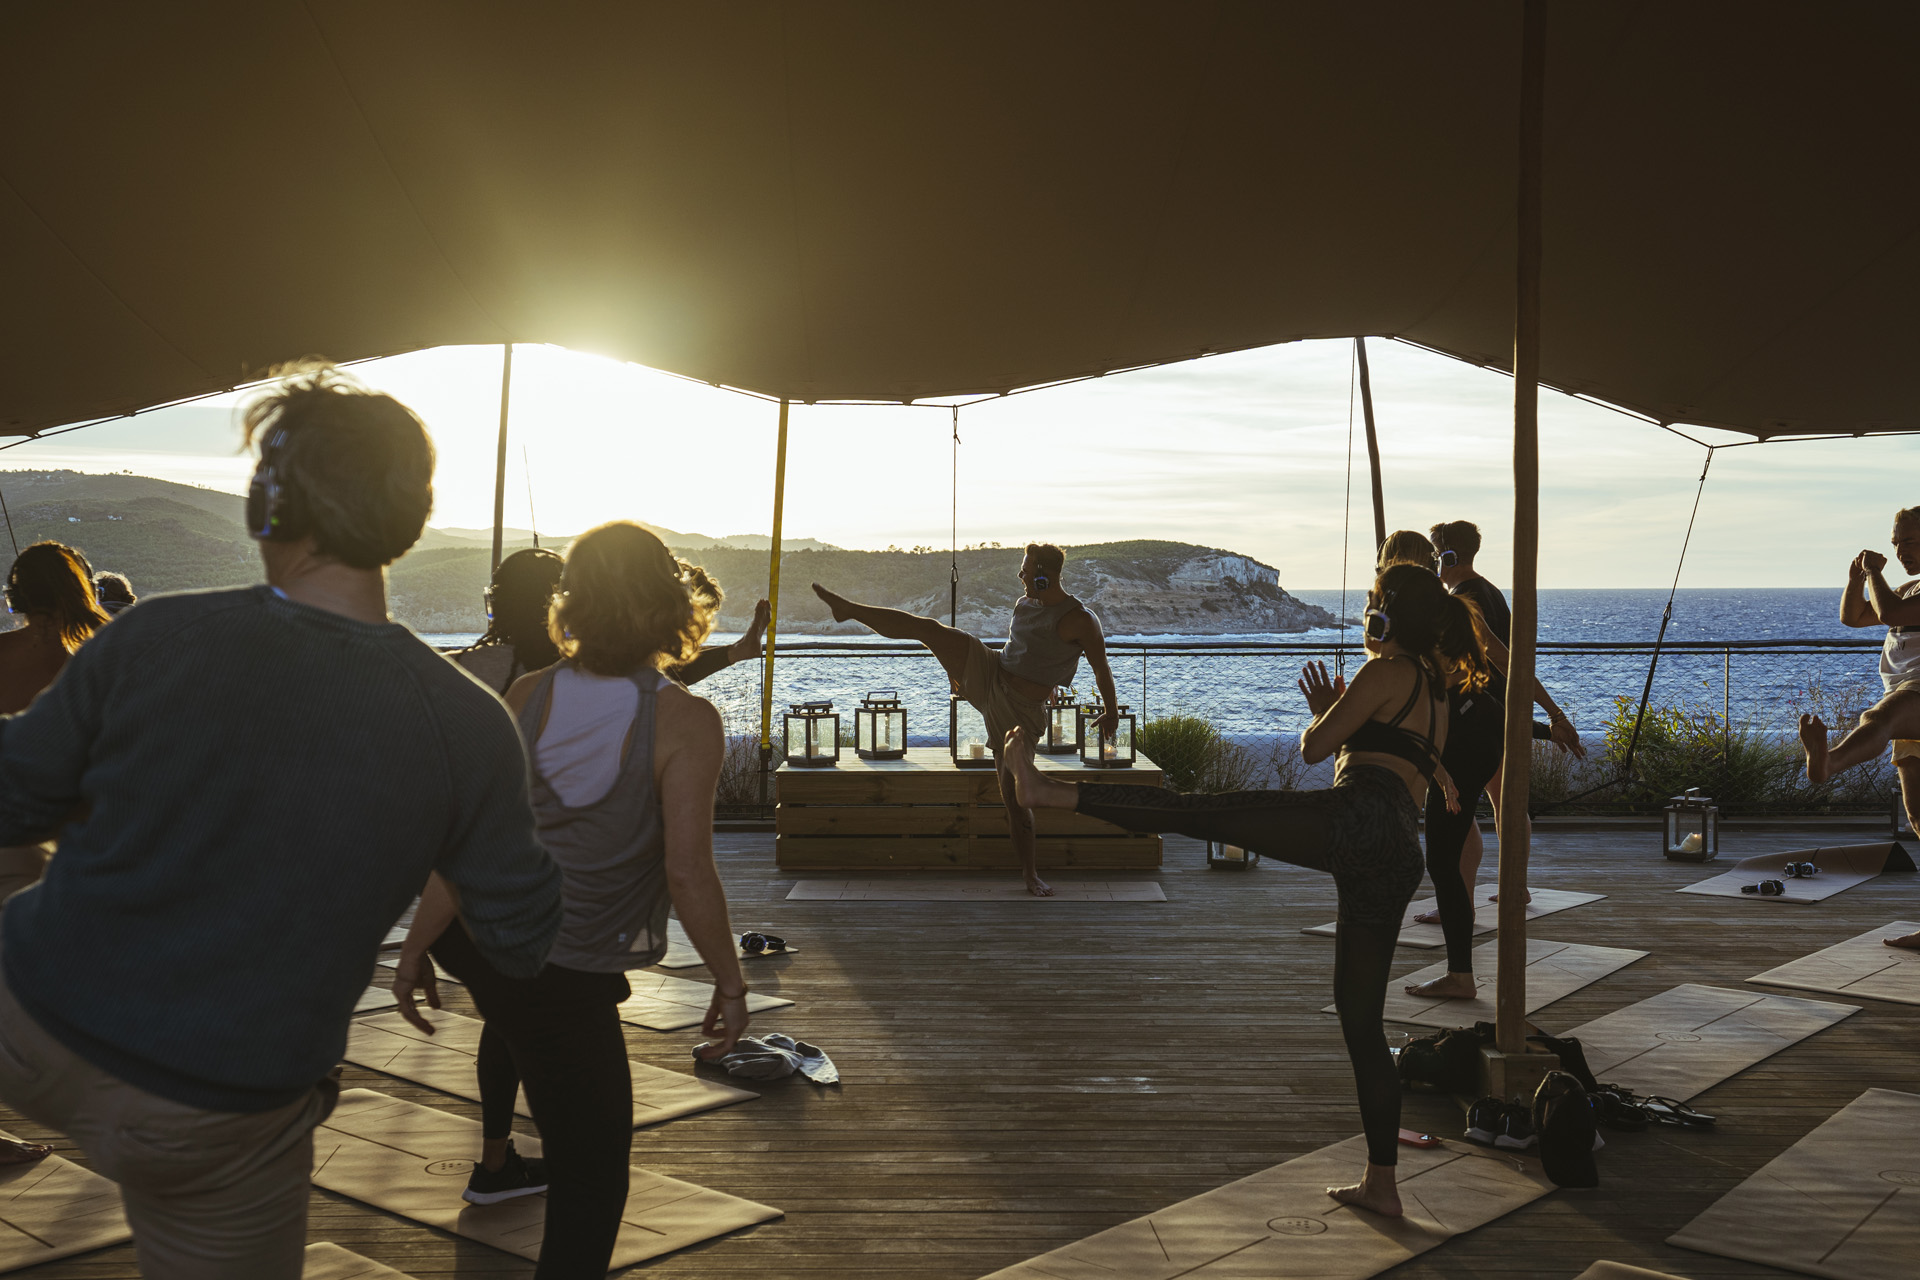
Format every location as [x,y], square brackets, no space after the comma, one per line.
[977,750]
[1108,750]
[1692,844]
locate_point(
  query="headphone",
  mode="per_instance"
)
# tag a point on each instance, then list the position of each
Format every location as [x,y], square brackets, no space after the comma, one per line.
[1041,582]
[271,509]
[1379,625]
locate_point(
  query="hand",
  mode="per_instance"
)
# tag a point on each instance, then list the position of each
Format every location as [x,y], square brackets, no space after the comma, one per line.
[1566,737]
[1449,793]
[727,1019]
[1108,722]
[749,645]
[1320,690]
[1869,562]
[415,973]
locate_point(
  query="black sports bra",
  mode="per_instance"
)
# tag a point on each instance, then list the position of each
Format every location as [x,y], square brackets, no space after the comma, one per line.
[1390,738]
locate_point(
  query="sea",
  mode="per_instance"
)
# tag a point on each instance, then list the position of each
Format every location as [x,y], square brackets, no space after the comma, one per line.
[1253,695]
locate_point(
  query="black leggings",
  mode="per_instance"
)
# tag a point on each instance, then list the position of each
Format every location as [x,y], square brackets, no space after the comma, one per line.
[1476,741]
[559,1035]
[1363,830]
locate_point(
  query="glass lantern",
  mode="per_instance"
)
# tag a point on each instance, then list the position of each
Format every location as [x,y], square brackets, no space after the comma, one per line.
[967,735]
[880,726]
[1103,751]
[1063,726]
[1693,828]
[812,735]
[1229,857]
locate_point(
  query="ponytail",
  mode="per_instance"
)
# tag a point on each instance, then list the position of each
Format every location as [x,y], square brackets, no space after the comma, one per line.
[53,581]
[1457,650]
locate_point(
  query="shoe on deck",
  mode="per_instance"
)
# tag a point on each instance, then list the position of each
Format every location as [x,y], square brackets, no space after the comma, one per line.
[514,1177]
[1483,1121]
[1516,1129]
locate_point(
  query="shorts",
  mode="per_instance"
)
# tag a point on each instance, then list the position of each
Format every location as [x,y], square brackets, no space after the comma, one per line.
[1906,749]
[1004,710]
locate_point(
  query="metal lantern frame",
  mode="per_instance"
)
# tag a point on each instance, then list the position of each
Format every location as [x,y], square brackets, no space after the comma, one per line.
[817,751]
[880,726]
[1062,737]
[1688,815]
[958,708]
[1094,744]
[1230,857]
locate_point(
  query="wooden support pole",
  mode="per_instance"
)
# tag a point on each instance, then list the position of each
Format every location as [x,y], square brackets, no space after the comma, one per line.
[500,456]
[773,602]
[1510,1020]
[1373,447]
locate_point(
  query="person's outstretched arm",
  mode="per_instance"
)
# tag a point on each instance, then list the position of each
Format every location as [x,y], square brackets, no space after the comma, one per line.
[688,748]
[1560,729]
[718,657]
[1083,629]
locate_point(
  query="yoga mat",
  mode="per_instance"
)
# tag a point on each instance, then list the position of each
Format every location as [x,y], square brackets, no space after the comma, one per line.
[1281,1223]
[662,1003]
[919,888]
[1841,867]
[1554,969]
[442,974]
[1622,1271]
[1860,967]
[331,1262]
[1683,1042]
[681,955]
[1485,917]
[375,998]
[53,1208]
[388,1043]
[1843,1202]
[414,1161]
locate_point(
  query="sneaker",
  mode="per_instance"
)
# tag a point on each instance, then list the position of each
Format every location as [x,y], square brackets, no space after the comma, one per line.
[1516,1129]
[514,1177]
[1483,1121]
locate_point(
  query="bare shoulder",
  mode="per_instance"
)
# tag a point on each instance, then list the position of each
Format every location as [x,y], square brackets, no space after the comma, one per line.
[520,690]
[684,718]
[1080,625]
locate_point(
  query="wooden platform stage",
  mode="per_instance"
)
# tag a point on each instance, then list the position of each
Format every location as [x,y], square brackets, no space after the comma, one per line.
[924,812]
[1016,1079]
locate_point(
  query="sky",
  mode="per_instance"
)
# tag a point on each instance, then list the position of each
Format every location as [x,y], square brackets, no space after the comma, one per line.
[1246,452]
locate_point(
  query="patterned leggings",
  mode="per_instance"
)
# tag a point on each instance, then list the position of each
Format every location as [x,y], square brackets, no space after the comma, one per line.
[1365,830]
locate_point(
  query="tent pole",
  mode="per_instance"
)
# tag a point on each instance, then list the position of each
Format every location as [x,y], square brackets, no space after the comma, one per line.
[500,456]
[1373,447]
[1510,1021]
[773,601]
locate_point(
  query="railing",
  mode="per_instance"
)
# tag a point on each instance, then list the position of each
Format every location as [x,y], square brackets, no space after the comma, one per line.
[1745,691]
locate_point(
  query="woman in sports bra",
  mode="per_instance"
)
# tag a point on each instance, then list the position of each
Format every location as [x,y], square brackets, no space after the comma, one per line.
[1388,728]
[624,763]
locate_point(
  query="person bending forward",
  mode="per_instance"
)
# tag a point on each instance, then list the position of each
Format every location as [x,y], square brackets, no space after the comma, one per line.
[1049,634]
[1365,829]
[1869,601]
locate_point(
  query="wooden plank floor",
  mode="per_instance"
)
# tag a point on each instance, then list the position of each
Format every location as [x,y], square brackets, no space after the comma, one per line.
[1020,1075]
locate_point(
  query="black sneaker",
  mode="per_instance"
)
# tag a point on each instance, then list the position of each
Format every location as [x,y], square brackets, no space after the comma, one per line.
[1516,1129]
[1483,1120]
[514,1177]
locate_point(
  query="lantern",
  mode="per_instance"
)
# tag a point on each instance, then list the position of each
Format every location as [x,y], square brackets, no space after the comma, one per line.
[1693,828]
[1229,857]
[1062,737]
[880,726]
[1105,751]
[812,735]
[967,737]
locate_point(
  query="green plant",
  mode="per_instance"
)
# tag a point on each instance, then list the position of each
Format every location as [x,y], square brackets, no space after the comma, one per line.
[1193,755]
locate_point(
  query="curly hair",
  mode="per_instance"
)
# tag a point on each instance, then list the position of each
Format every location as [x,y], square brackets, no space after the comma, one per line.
[1432,625]
[356,464]
[51,580]
[627,602]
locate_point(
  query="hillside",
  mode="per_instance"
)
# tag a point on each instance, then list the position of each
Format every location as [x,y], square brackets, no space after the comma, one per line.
[173,537]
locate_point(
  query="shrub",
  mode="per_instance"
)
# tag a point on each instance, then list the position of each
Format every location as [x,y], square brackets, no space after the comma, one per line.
[1193,755]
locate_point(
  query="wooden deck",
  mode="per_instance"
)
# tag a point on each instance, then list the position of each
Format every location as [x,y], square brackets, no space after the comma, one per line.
[1021,1075]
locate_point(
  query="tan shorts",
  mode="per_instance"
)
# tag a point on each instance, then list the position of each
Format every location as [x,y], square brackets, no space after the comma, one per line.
[1906,749]
[982,684]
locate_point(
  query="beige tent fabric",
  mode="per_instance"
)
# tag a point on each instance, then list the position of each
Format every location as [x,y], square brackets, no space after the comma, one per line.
[873,200]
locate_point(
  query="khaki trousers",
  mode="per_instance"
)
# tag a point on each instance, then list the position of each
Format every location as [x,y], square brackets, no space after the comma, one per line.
[210,1195]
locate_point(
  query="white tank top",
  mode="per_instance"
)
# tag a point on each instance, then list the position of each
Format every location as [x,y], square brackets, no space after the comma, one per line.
[580,748]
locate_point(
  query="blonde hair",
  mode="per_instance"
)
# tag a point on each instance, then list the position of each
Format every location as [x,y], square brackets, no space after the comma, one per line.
[627,602]
[1404,546]
[51,580]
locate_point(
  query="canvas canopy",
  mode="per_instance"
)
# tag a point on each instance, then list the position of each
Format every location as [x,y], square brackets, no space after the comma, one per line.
[876,200]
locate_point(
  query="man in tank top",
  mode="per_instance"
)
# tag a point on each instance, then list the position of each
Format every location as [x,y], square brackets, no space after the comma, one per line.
[1870,601]
[1049,634]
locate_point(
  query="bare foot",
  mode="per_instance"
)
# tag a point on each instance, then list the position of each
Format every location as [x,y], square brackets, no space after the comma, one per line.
[1813,739]
[1375,1192]
[1031,788]
[1455,986]
[1906,942]
[839,606]
[1427,917]
[1037,887]
[16,1152]
[1494,897]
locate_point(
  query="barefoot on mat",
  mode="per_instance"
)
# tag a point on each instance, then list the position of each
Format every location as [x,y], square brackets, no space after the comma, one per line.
[1375,1192]
[13,1151]
[1906,941]
[1427,917]
[1454,986]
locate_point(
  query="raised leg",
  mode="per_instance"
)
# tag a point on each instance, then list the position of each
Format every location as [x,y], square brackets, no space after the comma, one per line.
[951,647]
[1895,716]
[1362,958]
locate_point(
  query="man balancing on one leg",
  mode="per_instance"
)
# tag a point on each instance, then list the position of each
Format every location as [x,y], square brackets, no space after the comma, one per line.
[1870,602]
[1050,632]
